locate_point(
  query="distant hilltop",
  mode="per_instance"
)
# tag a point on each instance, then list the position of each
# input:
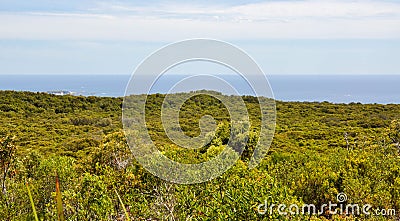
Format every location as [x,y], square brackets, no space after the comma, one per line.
[61,92]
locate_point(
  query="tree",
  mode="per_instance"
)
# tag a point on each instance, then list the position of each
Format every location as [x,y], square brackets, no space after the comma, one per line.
[7,152]
[394,133]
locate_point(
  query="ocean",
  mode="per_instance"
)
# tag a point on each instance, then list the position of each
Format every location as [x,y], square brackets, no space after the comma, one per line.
[383,89]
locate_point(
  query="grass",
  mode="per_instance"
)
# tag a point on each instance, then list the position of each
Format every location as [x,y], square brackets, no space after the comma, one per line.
[32,203]
[60,211]
[123,206]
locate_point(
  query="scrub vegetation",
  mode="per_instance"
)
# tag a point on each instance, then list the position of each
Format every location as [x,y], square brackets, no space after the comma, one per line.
[66,158]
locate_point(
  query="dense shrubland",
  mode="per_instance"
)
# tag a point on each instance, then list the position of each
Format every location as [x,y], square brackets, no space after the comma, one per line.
[319,150]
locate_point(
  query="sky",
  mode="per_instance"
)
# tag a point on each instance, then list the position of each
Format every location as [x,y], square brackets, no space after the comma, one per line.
[284,37]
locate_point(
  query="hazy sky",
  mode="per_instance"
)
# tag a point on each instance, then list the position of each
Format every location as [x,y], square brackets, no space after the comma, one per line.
[284,37]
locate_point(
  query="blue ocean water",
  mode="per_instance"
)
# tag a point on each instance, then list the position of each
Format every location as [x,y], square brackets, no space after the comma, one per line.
[382,89]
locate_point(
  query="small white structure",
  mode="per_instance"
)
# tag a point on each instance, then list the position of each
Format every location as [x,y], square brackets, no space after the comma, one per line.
[60,92]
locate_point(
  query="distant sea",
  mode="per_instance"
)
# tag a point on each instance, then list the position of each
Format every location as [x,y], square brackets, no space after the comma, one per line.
[382,89]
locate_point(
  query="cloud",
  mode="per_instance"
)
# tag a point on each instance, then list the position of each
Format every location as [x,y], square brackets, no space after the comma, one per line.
[170,22]
[268,10]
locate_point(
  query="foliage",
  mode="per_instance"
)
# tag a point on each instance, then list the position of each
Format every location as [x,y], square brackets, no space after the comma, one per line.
[319,150]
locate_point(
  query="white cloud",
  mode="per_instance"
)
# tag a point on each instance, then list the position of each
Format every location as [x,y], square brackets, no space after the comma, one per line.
[279,19]
[319,10]
[274,10]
